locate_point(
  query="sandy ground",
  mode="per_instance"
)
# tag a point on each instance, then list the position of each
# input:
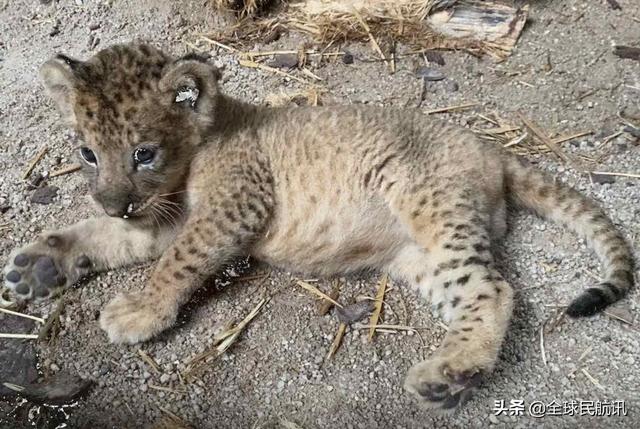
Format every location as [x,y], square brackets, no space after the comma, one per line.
[276,374]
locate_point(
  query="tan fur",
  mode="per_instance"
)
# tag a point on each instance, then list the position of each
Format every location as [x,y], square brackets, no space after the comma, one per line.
[319,190]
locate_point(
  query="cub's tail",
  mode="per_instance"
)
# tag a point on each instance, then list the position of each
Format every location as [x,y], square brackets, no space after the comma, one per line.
[535,190]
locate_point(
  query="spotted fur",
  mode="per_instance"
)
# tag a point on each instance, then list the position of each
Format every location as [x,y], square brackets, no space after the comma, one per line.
[318,190]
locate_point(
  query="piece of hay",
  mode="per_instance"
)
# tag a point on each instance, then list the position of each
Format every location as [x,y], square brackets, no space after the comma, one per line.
[19,336]
[325,305]
[591,379]
[149,361]
[223,341]
[71,168]
[314,290]
[170,421]
[479,27]
[26,316]
[34,161]
[337,340]
[311,96]
[373,321]
[52,324]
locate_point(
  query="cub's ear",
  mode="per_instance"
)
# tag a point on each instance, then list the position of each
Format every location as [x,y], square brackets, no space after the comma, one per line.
[60,81]
[191,83]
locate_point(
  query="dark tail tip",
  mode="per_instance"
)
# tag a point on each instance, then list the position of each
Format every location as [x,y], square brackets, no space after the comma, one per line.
[592,301]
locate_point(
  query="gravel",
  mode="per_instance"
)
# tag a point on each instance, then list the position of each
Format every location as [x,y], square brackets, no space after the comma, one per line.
[276,372]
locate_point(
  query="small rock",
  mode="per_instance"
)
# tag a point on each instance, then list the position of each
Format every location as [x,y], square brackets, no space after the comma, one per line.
[94,27]
[632,130]
[34,181]
[602,178]
[631,112]
[44,195]
[55,30]
[59,389]
[354,312]
[493,419]
[284,61]
[430,74]
[347,58]
[165,378]
[54,367]
[434,57]
[451,86]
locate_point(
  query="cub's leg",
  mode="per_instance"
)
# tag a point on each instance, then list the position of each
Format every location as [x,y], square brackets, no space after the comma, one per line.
[60,258]
[228,221]
[451,264]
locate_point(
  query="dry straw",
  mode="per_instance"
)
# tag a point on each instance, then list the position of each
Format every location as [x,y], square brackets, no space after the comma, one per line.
[480,27]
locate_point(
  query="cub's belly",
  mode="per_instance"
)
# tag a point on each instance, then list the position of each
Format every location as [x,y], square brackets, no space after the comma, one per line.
[328,240]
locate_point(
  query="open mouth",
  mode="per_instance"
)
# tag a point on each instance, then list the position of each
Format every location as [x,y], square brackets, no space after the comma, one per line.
[133,211]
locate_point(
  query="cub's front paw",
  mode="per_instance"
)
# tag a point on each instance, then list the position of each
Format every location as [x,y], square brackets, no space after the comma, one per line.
[442,384]
[44,267]
[135,317]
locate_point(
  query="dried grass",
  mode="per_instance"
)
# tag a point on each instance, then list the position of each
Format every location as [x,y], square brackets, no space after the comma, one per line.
[244,7]
[373,321]
[222,342]
[382,22]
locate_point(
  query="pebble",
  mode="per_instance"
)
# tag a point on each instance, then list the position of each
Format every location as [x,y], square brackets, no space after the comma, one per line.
[602,179]
[44,195]
[451,86]
[284,61]
[165,378]
[429,73]
[434,57]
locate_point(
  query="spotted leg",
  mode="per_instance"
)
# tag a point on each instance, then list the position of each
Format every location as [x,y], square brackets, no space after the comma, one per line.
[450,262]
[223,228]
[60,258]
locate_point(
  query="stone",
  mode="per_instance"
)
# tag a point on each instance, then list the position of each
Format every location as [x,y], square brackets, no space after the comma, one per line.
[44,195]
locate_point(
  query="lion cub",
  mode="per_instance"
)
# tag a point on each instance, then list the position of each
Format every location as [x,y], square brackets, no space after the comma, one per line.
[194,178]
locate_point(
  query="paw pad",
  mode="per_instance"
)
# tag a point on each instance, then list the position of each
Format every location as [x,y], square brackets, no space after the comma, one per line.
[36,275]
[437,386]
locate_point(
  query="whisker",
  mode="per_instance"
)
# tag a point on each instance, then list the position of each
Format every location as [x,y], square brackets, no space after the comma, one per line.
[171,213]
[162,214]
[155,218]
[172,193]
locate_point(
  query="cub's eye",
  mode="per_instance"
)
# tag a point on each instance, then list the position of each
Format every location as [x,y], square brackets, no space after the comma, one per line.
[88,155]
[144,155]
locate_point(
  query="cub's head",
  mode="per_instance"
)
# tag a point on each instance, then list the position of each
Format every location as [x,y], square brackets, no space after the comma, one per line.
[139,115]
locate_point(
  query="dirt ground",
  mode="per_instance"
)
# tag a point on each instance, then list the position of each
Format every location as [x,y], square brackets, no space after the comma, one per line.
[562,75]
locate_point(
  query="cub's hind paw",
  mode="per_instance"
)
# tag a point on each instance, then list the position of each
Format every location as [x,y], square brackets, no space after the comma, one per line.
[437,386]
[41,269]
